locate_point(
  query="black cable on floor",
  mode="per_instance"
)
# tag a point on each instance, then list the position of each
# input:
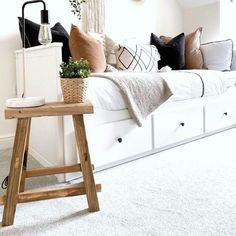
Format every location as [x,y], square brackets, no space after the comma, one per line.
[4,183]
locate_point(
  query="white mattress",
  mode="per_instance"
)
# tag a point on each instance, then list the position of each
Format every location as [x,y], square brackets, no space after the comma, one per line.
[104,94]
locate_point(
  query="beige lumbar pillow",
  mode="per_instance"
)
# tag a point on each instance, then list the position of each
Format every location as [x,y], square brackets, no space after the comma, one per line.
[193,55]
[85,46]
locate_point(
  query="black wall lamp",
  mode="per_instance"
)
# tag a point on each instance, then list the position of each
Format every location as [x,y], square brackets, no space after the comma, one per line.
[44,37]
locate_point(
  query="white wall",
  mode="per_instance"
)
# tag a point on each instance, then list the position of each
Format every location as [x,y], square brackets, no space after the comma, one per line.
[10,41]
[227,20]
[195,3]
[128,19]
[205,16]
[124,17]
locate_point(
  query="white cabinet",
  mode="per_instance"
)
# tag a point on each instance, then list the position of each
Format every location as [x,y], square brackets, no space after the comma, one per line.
[42,64]
[220,115]
[112,136]
[174,125]
[42,79]
[118,140]
[111,142]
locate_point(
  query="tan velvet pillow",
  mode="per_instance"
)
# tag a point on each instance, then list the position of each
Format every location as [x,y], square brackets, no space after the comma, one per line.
[85,46]
[193,55]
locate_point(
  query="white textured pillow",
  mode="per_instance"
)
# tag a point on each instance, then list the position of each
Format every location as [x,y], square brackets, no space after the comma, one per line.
[110,47]
[110,68]
[217,55]
[137,57]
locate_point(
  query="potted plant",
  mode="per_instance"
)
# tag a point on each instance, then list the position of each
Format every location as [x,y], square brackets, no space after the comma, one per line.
[73,82]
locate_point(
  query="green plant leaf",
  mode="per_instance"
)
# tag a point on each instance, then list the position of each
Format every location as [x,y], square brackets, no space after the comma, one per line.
[77,7]
[75,69]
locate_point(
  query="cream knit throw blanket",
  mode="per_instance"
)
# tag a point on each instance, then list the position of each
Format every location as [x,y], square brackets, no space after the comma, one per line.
[142,92]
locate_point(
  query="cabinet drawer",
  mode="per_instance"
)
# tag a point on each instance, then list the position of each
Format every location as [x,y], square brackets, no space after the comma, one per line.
[174,126]
[118,140]
[220,115]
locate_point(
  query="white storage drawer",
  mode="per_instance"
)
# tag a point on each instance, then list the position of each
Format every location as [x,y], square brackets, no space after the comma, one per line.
[118,140]
[220,115]
[176,125]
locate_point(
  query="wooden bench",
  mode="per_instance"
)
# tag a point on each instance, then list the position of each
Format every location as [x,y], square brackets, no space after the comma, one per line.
[18,169]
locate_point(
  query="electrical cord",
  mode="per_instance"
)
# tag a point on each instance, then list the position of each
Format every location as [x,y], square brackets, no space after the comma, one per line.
[4,183]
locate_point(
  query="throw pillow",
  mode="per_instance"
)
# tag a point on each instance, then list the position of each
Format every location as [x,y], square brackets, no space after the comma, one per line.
[85,46]
[112,45]
[59,34]
[137,58]
[172,53]
[110,68]
[110,48]
[193,55]
[218,55]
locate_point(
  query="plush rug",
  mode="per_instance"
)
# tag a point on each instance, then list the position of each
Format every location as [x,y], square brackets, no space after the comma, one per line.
[5,159]
[188,190]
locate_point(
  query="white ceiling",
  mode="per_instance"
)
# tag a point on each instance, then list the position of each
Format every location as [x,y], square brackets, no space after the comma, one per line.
[195,3]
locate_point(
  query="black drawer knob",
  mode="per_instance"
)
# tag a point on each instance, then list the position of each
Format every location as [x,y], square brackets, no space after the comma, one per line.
[182,124]
[120,140]
[225,113]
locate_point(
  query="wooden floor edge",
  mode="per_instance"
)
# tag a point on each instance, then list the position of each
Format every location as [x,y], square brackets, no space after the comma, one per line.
[2,200]
[54,170]
[98,187]
[27,196]
[67,191]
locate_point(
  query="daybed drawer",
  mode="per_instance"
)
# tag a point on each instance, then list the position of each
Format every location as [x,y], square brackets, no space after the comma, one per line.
[171,127]
[220,115]
[118,140]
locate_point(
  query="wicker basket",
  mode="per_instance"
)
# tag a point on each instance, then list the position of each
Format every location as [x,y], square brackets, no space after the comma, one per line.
[73,90]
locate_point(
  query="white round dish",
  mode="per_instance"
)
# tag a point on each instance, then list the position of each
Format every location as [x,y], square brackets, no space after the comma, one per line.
[25,102]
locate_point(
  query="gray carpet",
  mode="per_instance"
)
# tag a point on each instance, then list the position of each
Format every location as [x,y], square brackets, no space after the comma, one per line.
[186,191]
[5,159]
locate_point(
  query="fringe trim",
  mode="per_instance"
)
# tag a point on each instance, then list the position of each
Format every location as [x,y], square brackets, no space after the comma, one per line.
[94,16]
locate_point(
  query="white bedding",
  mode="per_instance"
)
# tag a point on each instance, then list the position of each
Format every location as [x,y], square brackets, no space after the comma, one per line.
[104,94]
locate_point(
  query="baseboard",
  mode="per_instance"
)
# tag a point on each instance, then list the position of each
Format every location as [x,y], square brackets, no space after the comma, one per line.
[45,163]
[6,141]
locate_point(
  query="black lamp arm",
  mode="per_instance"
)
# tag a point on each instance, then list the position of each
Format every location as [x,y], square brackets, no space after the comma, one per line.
[33,1]
[23,15]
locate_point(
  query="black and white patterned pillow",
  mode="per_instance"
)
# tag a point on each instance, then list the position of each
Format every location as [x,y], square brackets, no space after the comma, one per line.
[137,57]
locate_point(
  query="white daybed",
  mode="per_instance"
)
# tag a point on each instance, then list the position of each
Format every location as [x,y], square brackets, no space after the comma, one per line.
[114,137]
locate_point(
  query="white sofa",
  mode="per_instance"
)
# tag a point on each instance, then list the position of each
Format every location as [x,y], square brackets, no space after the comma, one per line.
[113,136]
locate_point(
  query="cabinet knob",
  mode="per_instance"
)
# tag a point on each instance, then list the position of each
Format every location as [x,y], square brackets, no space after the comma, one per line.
[182,124]
[120,140]
[225,113]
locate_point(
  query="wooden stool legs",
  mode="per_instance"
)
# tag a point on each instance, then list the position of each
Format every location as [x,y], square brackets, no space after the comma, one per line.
[85,162]
[18,170]
[15,171]
[18,173]
[24,167]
